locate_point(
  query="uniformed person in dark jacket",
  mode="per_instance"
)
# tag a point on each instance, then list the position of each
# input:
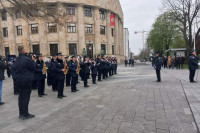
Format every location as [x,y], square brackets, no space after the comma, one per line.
[193,65]
[116,64]
[24,72]
[158,65]
[68,76]
[34,82]
[104,67]
[16,90]
[60,77]
[53,73]
[8,69]
[40,76]
[48,64]
[85,66]
[94,68]
[107,66]
[99,67]
[73,65]
[2,68]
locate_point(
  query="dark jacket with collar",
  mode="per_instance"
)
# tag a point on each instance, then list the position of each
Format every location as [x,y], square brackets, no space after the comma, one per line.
[2,68]
[58,66]
[85,67]
[72,68]
[38,70]
[158,63]
[193,62]
[24,69]
[94,69]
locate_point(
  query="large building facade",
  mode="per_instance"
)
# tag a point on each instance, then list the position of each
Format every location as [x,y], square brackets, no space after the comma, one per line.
[87,30]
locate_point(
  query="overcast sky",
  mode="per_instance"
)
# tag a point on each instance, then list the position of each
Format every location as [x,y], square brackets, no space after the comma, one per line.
[139,15]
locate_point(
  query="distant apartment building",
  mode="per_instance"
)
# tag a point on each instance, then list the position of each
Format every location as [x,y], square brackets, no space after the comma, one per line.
[126,44]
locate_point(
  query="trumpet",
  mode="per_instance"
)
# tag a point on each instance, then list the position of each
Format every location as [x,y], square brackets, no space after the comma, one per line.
[78,68]
[65,67]
[44,69]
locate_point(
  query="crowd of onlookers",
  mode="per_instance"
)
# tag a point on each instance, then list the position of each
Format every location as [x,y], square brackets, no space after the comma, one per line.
[171,62]
[129,62]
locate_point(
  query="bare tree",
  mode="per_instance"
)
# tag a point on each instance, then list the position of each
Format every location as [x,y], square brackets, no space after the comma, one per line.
[184,12]
[32,9]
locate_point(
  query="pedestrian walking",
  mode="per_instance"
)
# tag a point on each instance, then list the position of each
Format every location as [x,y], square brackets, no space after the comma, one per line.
[193,65]
[158,65]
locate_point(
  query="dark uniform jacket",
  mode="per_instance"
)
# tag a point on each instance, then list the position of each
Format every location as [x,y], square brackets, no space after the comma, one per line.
[24,69]
[72,68]
[99,64]
[193,62]
[85,67]
[2,68]
[38,70]
[13,70]
[58,66]
[94,69]
[158,63]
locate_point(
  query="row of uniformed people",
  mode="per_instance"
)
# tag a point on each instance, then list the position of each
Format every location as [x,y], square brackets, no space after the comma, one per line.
[56,72]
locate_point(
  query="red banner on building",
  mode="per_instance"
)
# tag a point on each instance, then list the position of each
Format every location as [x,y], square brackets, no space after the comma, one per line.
[112,20]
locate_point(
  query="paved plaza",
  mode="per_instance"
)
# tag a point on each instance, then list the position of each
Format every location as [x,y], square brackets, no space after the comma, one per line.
[130,102]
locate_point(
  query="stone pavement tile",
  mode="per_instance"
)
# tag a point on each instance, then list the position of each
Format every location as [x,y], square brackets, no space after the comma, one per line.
[161,126]
[162,131]
[149,128]
[101,126]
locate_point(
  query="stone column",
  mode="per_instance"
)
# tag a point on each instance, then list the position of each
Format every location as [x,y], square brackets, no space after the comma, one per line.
[97,45]
[108,33]
[11,37]
[62,34]
[117,48]
[81,30]
[43,31]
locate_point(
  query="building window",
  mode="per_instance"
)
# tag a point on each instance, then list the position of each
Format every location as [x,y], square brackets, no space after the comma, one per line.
[34,29]
[102,30]
[113,49]
[51,8]
[5,32]
[71,27]
[19,30]
[7,52]
[88,29]
[4,15]
[52,27]
[102,14]
[88,12]
[53,49]
[103,48]
[18,14]
[112,31]
[72,49]
[70,10]
[36,49]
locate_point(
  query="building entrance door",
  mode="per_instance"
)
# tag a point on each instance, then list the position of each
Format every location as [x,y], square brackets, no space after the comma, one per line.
[90,50]
[53,49]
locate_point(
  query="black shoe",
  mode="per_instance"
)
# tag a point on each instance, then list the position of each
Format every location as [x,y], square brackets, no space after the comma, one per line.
[158,81]
[95,83]
[16,93]
[193,81]
[67,85]
[76,90]
[64,96]
[73,91]
[2,103]
[29,116]
[39,95]
[87,86]
[60,97]
[44,94]
[22,117]
[99,80]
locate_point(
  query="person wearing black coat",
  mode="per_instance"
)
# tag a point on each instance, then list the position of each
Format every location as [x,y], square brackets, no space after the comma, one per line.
[158,65]
[116,64]
[182,61]
[16,90]
[2,68]
[74,73]
[99,67]
[53,73]
[8,69]
[104,67]
[40,76]
[60,77]
[193,65]
[94,68]
[24,73]
[107,66]
[85,66]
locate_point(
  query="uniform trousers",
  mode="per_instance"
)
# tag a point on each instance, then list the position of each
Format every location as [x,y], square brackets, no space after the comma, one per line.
[60,87]
[86,75]
[24,97]
[192,75]
[73,84]
[41,86]
[158,75]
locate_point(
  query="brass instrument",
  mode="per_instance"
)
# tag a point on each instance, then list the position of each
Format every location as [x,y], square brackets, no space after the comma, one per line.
[78,68]
[65,67]
[44,69]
